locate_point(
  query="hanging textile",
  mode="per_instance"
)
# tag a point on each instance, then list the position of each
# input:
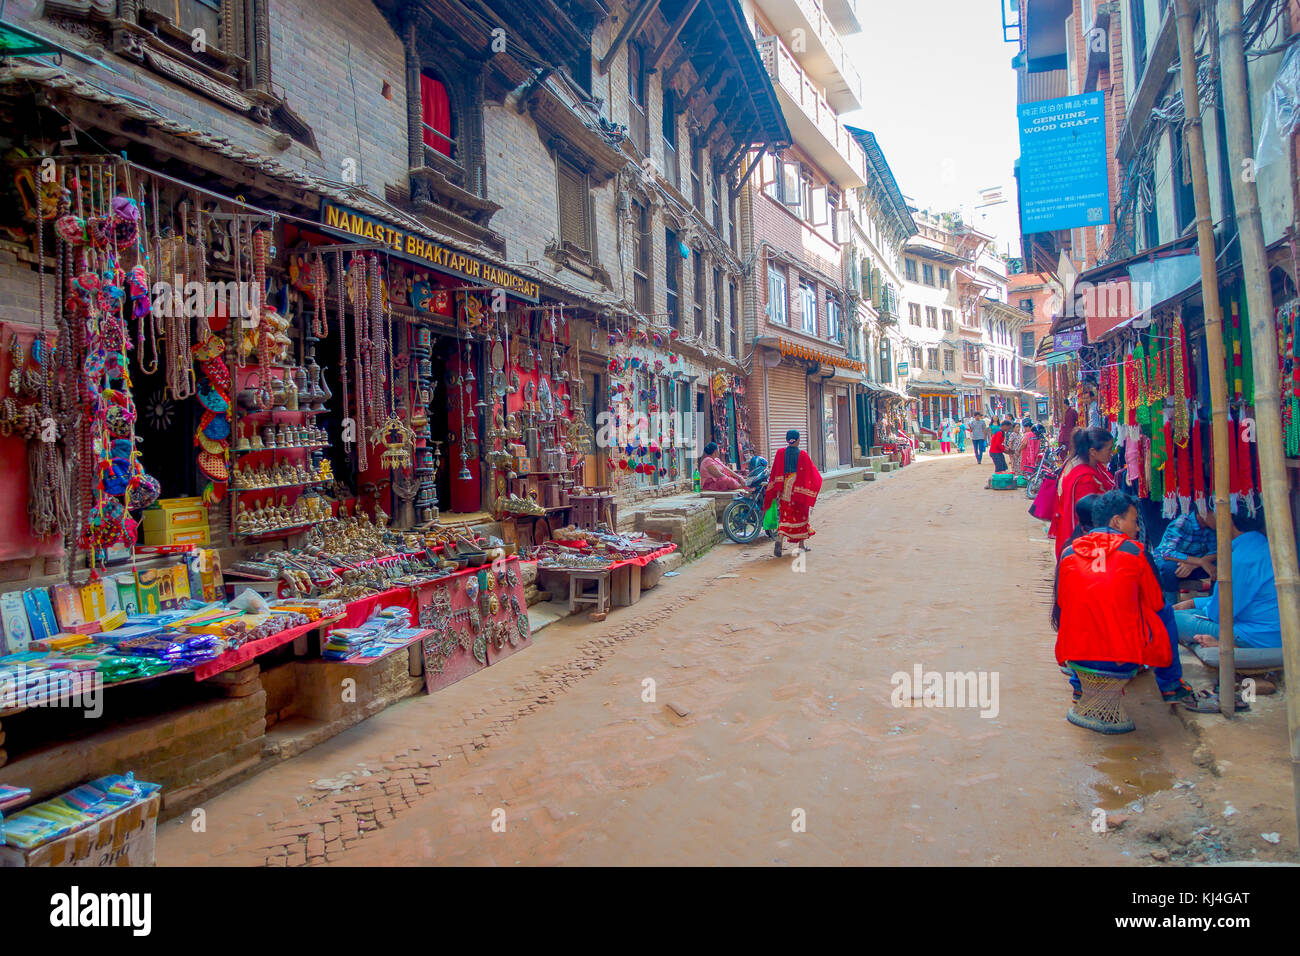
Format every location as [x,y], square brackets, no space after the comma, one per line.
[1247,359]
[1179,383]
[1289,376]
[1198,466]
[1183,467]
[1168,470]
[1243,483]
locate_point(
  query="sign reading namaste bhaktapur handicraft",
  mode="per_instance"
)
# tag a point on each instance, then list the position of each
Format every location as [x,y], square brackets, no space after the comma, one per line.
[417,248]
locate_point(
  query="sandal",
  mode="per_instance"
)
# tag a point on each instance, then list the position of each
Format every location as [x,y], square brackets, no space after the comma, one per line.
[1207,702]
[1184,691]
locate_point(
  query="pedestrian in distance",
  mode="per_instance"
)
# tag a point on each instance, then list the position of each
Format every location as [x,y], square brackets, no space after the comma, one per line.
[947,436]
[795,484]
[998,446]
[961,436]
[979,437]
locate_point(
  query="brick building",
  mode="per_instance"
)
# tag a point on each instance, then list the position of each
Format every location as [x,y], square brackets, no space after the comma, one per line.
[796,205]
[587,152]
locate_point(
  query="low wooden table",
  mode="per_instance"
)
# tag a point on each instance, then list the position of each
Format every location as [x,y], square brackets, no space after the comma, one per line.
[579,595]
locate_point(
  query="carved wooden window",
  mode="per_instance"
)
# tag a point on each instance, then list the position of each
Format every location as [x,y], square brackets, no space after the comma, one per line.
[642,258]
[437,118]
[575,207]
[212,32]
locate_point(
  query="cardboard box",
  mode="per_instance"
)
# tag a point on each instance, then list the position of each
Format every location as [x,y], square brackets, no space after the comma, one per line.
[176,521]
[125,838]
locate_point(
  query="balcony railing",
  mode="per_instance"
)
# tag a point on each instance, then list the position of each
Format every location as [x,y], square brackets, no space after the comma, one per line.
[785,70]
[829,37]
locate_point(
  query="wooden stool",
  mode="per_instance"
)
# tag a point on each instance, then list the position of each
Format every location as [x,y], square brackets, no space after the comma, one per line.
[579,595]
[1099,708]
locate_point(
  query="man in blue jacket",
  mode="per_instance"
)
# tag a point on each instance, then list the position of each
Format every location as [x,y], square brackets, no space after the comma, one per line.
[1255,621]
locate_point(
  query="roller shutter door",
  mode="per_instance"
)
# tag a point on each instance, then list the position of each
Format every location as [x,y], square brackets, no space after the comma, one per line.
[787,405]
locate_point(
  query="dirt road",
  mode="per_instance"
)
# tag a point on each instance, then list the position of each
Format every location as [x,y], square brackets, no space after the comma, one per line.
[771,737]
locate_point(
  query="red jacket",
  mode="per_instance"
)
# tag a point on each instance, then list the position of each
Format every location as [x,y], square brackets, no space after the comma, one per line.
[1110,602]
[999,442]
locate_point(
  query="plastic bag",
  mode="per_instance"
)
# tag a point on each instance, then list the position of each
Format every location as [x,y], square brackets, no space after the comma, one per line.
[1281,111]
[770,519]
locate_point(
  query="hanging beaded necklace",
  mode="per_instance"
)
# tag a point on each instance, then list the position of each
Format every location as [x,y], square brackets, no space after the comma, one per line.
[341,296]
[320,327]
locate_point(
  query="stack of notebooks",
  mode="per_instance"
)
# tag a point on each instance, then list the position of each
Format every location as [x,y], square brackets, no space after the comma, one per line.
[375,635]
[73,810]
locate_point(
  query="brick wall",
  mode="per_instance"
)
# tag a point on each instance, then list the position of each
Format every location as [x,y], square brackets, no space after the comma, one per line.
[329,63]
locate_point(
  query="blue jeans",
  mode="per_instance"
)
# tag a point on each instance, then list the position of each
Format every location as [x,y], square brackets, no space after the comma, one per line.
[979,444]
[1169,579]
[1191,622]
[1167,678]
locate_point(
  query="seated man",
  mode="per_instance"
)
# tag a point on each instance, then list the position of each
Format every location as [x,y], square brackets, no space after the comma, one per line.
[1255,621]
[1187,549]
[1108,602]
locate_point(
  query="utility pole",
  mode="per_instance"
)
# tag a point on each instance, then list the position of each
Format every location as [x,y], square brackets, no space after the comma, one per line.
[1274,481]
[1195,140]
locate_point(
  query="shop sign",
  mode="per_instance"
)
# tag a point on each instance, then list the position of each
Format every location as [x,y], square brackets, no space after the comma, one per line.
[1042,408]
[1070,341]
[902,368]
[424,251]
[1064,180]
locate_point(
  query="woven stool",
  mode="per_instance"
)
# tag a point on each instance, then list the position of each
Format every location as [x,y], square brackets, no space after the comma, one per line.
[1099,708]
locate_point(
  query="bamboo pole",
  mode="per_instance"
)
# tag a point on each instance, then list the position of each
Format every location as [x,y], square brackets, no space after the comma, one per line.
[1274,481]
[1195,140]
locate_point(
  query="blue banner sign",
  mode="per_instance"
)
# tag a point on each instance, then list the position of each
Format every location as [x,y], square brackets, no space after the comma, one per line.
[1063,178]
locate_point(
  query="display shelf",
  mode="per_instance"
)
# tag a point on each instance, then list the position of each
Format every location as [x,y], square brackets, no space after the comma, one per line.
[258,451]
[292,484]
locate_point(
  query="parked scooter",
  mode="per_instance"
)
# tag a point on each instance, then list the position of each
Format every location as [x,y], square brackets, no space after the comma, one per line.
[743,518]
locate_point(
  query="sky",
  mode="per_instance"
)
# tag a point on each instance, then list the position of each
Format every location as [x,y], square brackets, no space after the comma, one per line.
[940,95]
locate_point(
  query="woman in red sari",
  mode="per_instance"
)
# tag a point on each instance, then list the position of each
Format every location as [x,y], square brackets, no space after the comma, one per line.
[795,482]
[1084,474]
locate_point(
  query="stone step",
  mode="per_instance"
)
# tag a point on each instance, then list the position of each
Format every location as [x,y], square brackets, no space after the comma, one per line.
[869,476]
[889,466]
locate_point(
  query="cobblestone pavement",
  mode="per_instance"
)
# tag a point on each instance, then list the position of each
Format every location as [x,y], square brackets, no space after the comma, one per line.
[771,736]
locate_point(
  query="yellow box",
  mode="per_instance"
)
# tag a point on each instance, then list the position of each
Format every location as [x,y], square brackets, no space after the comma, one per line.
[193,537]
[176,521]
[170,513]
[180,583]
[92,600]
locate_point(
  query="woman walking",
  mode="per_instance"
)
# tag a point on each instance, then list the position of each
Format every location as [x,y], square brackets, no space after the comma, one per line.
[946,437]
[1084,473]
[795,483]
[961,436]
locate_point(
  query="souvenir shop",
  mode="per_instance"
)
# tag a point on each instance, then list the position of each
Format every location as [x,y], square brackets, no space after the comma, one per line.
[248,440]
[1153,392]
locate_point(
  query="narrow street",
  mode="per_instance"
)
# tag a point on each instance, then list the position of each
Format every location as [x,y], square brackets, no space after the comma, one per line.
[772,695]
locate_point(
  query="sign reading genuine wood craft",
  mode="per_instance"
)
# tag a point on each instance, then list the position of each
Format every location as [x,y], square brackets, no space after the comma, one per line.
[416,248]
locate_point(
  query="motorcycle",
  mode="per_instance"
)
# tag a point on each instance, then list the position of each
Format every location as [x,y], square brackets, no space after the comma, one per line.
[743,518]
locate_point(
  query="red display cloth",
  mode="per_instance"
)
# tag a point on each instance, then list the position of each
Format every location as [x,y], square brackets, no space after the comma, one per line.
[361,609]
[250,650]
